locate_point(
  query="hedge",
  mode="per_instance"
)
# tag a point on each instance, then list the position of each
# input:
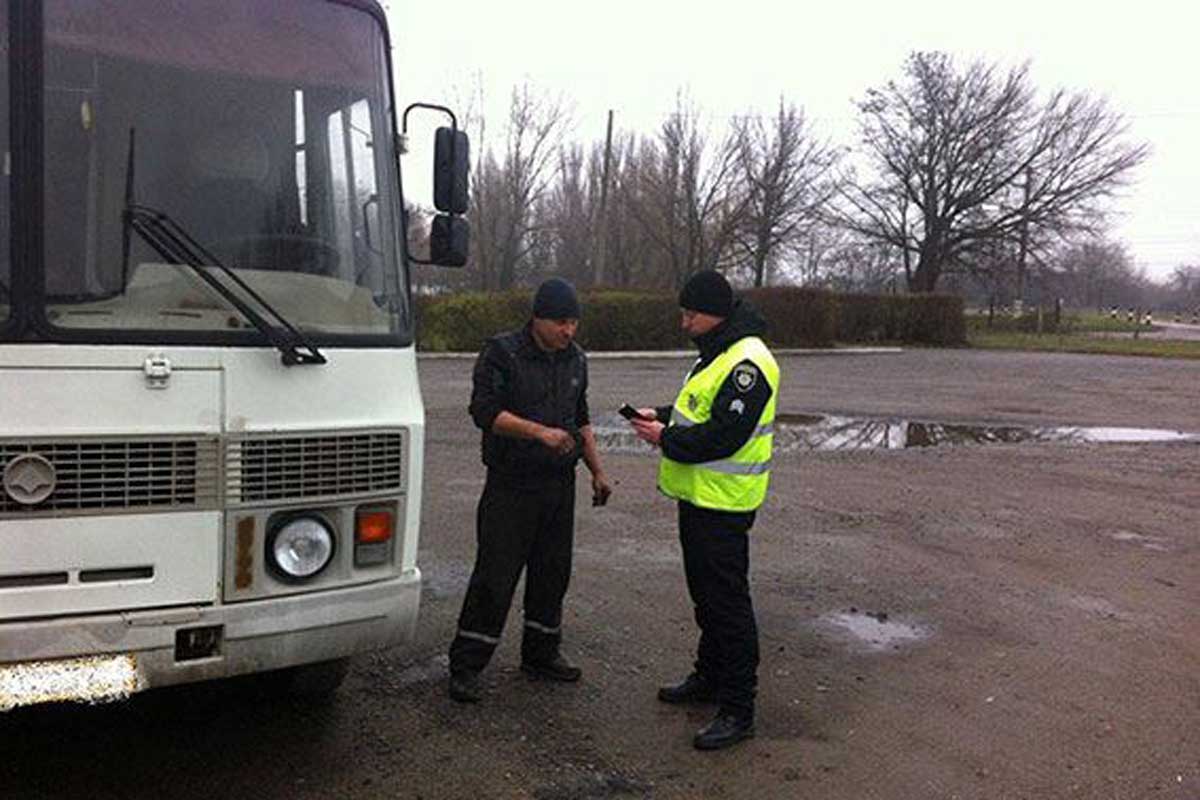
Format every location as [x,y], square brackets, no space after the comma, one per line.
[621,320]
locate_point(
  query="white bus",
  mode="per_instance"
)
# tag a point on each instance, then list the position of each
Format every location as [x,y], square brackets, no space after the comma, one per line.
[211,429]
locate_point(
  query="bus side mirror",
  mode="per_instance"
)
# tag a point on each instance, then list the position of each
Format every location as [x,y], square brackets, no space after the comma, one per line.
[451,157]
[449,233]
[449,241]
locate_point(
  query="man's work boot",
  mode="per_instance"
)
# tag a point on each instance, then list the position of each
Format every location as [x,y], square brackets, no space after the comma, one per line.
[725,730]
[692,689]
[465,688]
[553,669]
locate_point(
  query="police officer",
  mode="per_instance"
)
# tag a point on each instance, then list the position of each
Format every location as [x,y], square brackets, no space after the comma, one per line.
[716,456]
[529,398]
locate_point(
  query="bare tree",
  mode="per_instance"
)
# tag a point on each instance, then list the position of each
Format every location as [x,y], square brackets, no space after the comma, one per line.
[965,159]
[1185,279]
[569,212]
[786,174]
[629,251]
[1095,272]
[1184,288]
[688,202]
[508,189]
[850,263]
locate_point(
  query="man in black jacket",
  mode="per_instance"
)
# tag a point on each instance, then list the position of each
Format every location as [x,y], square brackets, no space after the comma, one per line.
[529,398]
[716,443]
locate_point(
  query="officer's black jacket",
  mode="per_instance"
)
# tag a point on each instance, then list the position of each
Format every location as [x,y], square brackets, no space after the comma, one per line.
[513,374]
[736,408]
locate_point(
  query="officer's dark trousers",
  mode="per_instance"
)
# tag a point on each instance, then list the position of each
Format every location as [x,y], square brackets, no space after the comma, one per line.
[716,560]
[529,529]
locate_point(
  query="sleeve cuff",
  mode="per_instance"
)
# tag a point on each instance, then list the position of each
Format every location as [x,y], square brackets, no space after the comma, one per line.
[486,418]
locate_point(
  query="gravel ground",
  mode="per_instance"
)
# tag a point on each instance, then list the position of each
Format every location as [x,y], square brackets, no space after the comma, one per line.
[992,621]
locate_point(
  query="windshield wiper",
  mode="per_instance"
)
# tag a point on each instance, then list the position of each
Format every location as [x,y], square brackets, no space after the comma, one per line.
[174,244]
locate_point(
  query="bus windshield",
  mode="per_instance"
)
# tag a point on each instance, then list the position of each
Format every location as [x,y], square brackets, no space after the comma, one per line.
[263,129]
[5,207]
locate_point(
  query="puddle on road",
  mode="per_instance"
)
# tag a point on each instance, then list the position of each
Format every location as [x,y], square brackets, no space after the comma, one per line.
[803,432]
[876,631]
[1147,542]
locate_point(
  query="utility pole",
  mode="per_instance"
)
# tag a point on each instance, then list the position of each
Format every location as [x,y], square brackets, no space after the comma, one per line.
[1019,302]
[602,222]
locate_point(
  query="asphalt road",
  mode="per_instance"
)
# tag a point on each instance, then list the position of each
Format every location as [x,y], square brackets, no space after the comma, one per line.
[986,621]
[1176,330]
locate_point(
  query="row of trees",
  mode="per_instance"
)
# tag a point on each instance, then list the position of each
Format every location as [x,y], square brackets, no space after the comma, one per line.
[1095,274]
[963,178]
[643,211]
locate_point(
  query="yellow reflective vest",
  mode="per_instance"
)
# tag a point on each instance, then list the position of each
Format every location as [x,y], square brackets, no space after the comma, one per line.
[739,482]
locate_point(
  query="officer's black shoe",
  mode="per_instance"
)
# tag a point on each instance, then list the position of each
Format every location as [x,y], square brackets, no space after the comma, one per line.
[465,688]
[723,731]
[554,669]
[692,689]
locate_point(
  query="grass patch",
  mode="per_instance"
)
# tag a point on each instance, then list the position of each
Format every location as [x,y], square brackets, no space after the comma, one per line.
[1085,321]
[1081,343]
[1070,322]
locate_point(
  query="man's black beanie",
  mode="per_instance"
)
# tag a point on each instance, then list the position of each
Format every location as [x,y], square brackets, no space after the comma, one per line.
[555,299]
[709,292]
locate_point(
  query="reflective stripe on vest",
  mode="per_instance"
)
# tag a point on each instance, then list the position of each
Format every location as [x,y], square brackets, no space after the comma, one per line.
[739,482]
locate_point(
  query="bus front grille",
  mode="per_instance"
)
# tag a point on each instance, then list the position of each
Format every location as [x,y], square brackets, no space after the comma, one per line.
[308,466]
[99,475]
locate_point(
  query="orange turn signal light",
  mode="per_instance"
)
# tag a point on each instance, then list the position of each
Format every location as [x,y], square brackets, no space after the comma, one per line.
[373,525]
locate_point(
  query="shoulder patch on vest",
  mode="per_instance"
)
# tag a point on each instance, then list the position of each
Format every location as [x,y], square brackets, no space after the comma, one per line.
[745,376]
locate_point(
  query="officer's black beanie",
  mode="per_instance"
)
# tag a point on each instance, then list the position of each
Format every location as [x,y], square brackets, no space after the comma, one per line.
[709,292]
[555,299]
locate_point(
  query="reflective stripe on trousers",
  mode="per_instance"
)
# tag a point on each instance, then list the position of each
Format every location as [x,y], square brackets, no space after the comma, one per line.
[479,637]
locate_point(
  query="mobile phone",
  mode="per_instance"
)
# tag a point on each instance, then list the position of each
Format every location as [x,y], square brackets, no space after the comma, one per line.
[629,412]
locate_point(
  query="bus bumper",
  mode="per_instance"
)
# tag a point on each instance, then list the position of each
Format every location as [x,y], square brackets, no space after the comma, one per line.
[159,647]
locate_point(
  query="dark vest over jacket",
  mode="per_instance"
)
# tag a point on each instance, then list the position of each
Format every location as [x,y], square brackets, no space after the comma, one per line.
[513,374]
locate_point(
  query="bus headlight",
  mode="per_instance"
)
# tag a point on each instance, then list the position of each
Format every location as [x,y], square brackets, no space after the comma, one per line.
[300,548]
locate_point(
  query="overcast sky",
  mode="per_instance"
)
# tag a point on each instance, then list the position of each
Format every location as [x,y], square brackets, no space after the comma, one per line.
[632,56]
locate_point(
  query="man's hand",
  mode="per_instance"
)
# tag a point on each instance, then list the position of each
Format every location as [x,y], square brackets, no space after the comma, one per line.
[558,440]
[601,490]
[648,431]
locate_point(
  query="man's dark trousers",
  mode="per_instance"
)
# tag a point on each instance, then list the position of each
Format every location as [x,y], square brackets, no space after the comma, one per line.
[517,527]
[716,561]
